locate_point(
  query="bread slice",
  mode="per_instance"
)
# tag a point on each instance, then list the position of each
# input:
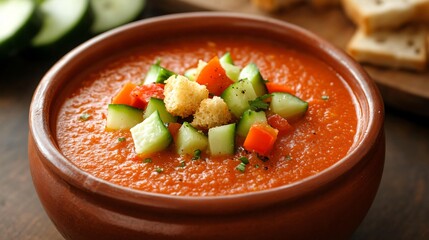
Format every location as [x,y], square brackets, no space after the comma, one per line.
[273,5]
[402,48]
[372,15]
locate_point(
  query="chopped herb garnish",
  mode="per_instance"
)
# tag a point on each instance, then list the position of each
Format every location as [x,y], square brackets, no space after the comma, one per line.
[325,97]
[84,116]
[147,160]
[121,139]
[259,104]
[288,157]
[241,167]
[256,165]
[159,170]
[244,160]
[197,154]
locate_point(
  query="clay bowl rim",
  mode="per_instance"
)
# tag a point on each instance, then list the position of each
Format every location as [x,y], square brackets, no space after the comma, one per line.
[52,158]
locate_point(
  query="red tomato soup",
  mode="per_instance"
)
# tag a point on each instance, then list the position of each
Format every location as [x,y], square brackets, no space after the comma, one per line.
[314,142]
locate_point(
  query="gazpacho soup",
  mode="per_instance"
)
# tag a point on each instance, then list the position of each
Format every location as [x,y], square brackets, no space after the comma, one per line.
[207,116]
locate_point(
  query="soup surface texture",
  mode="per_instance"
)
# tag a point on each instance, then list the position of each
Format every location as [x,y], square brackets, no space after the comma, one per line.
[318,140]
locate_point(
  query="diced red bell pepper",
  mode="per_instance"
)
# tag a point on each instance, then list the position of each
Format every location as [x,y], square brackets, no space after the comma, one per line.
[124,95]
[280,123]
[214,77]
[261,138]
[277,87]
[173,128]
[141,94]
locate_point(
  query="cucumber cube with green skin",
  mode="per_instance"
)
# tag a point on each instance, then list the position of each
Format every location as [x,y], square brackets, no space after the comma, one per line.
[252,74]
[151,135]
[191,73]
[156,104]
[231,70]
[122,117]
[189,139]
[226,58]
[222,139]
[288,105]
[237,97]
[157,74]
[249,118]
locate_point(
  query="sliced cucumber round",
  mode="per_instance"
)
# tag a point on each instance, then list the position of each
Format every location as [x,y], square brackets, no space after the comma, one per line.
[113,13]
[64,22]
[19,22]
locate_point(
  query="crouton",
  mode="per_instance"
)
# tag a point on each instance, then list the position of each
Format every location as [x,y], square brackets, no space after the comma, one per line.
[211,113]
[182,96]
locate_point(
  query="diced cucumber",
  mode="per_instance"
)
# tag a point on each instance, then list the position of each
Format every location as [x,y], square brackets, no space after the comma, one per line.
[151,135]
[288,105]
[226,58]
[222,139]
[231,70]
[190,139]
[252,74]
[156,104]
[191,74]
[113,13]
[19,22]
[157,74]
[237,97]
[64,22]
[248,118]
[121,116]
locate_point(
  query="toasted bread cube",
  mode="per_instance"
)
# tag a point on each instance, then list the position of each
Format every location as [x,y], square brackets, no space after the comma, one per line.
[182,96]
[212,112]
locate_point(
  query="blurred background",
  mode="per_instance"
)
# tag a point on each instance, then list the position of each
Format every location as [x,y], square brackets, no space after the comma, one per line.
[31,41]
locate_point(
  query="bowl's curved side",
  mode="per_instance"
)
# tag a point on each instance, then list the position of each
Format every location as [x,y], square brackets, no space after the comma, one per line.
[83,207]
[331,213]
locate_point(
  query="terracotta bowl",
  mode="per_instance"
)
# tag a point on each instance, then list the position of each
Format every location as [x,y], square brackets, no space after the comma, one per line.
[328,205]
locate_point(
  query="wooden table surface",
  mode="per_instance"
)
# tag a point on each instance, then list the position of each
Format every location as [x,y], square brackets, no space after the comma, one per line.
[400,210]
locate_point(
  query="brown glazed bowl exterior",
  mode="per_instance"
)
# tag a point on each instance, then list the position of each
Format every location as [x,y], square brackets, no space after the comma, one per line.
[328,205]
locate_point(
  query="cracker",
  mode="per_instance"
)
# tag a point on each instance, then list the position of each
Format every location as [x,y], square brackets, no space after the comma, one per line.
[402,48]
[373,15]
